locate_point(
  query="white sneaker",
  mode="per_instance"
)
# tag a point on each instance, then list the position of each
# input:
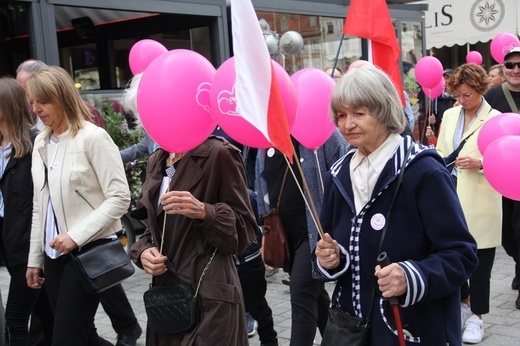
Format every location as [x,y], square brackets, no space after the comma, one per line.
[465,313]
[474,331]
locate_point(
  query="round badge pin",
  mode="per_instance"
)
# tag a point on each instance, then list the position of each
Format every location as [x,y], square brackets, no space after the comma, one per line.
[378,221]
[270,152]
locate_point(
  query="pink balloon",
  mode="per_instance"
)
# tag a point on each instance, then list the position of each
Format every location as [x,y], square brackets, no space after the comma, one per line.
[428,71]
[173,100]
[505,124]
[223,104]
[143,53]
[501,166]
[313,125]
[501,44]
[474,57]
[436,91]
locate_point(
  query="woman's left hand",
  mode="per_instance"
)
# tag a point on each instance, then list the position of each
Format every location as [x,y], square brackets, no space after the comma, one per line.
[391,280]
[467,162]
[63,243]
[183,203]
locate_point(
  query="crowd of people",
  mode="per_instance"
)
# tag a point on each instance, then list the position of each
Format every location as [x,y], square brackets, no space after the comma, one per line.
[372,184]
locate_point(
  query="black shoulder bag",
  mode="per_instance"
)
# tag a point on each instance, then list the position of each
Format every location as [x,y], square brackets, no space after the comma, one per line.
[344,329]
[173,308]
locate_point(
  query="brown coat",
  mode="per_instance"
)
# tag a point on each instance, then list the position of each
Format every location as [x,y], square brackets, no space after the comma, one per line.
[214,174]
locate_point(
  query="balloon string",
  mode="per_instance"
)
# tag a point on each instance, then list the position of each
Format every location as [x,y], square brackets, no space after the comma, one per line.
[312,209]
[426,121]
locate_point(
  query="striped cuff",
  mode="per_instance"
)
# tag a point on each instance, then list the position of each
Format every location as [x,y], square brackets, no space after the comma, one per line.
[415,283]
[326,274]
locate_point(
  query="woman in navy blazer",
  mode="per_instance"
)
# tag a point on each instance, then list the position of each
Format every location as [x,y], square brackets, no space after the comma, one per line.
[431,255]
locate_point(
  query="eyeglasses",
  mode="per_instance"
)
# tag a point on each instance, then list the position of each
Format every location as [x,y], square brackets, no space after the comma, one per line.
[464,96]
[511,65]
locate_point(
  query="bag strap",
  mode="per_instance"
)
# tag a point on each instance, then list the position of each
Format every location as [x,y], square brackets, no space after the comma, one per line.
[457,150]
[281,187]
[383,232]
[509,98]
[399,180]
[204,272]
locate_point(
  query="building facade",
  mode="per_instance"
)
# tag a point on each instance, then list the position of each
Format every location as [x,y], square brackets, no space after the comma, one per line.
[92,38]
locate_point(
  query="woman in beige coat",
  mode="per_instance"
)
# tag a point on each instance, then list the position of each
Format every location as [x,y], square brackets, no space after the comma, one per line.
[481,204]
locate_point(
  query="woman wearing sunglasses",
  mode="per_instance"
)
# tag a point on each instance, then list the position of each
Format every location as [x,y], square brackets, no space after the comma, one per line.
[481,204]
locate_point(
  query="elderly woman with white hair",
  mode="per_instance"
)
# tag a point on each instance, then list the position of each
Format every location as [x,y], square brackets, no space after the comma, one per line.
[146,145]
[368,210]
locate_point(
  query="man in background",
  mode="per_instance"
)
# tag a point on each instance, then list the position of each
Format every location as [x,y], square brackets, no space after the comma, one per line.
[496,75]
[506,99]
[26,69]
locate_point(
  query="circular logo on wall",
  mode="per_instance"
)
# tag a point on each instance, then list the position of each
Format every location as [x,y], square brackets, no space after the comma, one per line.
[486,15]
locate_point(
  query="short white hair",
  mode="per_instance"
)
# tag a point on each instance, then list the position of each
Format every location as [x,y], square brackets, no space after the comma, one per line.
[370,87]
[129,98]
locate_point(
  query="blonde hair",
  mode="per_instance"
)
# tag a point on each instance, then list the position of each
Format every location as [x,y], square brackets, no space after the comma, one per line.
[369,87]
[55,86]
[17,117]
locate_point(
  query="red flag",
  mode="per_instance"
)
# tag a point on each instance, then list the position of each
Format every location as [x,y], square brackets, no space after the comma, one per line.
[370,19]
[259,100]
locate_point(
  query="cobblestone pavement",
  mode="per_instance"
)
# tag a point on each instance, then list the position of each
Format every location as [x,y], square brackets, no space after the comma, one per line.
[502,324]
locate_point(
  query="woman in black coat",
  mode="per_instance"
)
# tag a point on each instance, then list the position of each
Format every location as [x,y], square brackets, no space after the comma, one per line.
[16,204]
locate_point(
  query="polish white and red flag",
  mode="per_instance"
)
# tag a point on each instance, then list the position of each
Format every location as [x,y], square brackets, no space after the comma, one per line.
[259,100]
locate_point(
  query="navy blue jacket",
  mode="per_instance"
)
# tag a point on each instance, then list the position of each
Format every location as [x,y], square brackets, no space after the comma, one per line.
[427,236]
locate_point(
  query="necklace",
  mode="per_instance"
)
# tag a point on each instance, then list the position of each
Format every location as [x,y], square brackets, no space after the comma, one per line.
[170,169]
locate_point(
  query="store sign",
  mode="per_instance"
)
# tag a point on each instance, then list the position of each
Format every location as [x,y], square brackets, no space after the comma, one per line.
[451,22]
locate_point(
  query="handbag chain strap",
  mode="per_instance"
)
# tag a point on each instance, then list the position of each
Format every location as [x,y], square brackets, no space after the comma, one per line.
[204,272]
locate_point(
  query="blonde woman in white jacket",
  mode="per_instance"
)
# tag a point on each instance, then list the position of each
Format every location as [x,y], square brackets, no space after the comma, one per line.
[80,193]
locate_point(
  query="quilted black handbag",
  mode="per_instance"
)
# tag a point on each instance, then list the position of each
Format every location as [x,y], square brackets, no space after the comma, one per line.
[173,308]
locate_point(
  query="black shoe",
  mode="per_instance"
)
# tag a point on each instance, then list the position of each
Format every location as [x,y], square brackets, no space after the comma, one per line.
[517,302]
[129,338]
[516,283]
[272,343]
[98,341]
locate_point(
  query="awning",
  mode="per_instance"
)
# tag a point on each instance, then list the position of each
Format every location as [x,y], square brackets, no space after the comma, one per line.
[350,48]
[457,22]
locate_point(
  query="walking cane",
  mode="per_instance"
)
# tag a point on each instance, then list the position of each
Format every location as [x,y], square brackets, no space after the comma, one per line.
[383,261]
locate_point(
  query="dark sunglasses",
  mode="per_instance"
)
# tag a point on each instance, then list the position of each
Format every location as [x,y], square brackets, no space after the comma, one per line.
[511,65]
